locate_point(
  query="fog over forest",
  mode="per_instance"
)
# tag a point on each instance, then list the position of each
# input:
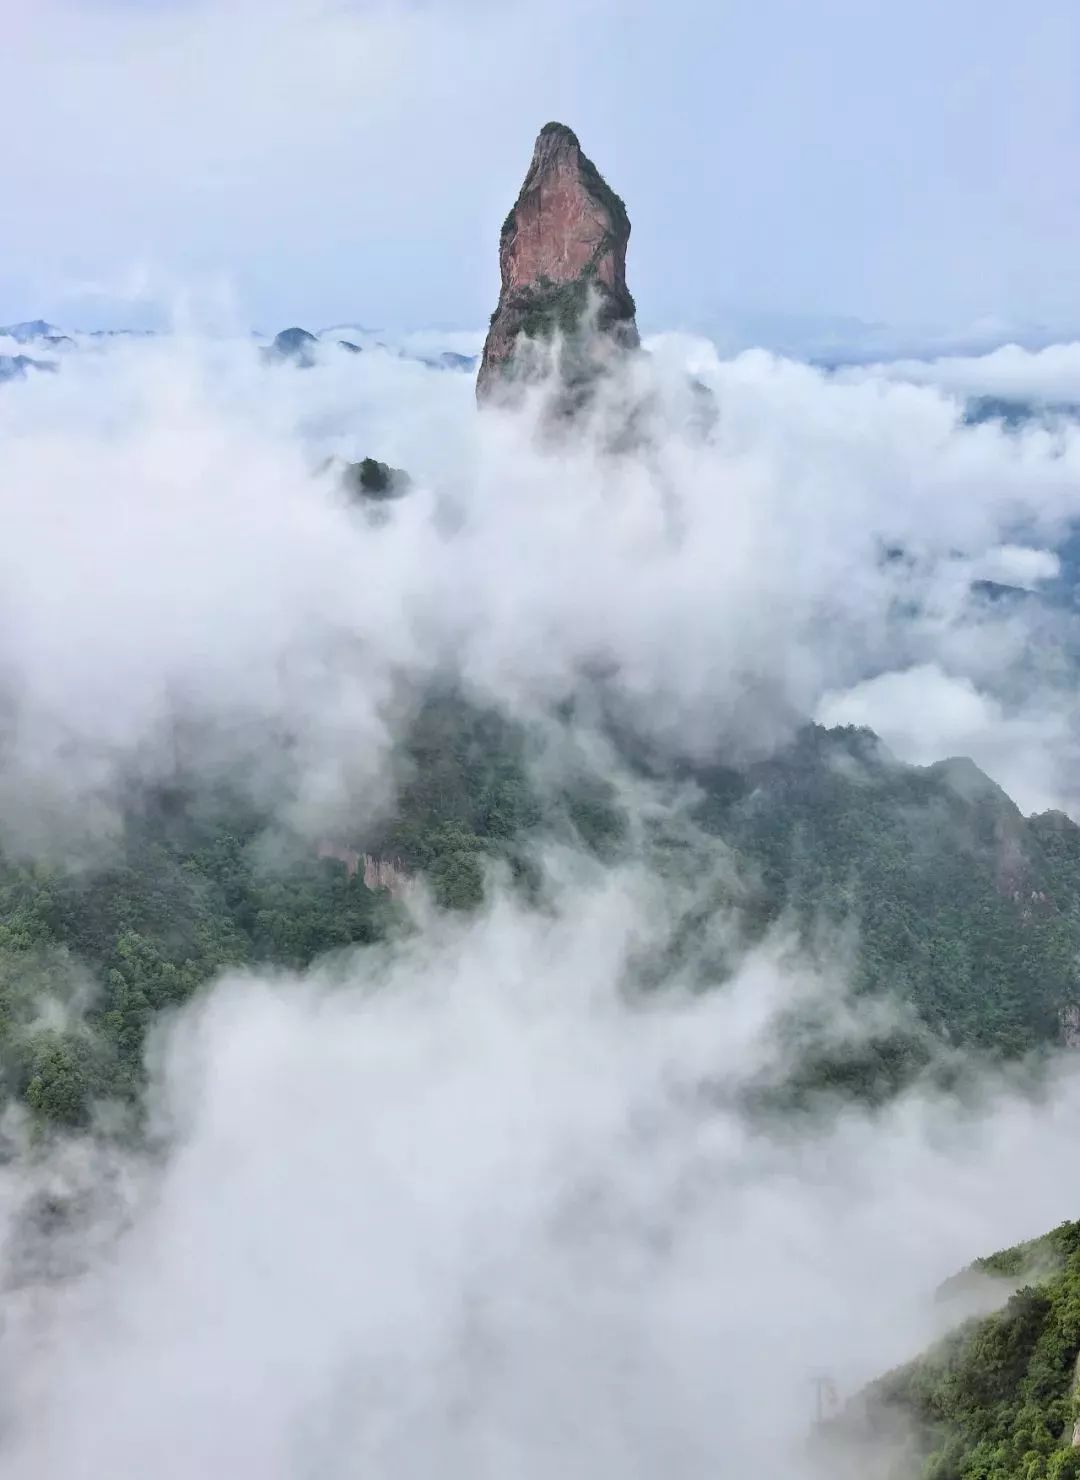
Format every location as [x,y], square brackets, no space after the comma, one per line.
[539,863]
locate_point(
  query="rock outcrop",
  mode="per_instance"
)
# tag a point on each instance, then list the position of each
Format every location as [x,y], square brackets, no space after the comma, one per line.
[378,873]
[371,479]
[562,261]
[368,481]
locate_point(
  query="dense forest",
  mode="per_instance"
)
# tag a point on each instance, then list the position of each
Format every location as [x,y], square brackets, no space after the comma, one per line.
[952,902]
[995,1400]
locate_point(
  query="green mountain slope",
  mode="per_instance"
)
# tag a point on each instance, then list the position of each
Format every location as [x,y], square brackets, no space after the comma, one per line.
[963,911]
[997,1399]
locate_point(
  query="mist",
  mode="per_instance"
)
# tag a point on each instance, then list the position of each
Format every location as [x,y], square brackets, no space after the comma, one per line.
[474,1202]
[177,550]
[476,1199]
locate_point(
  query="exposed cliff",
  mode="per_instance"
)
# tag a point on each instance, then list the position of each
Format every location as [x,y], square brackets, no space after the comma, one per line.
[378,873]
[562,264]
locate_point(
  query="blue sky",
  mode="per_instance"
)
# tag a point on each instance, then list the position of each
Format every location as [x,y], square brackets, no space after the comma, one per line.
[786,163]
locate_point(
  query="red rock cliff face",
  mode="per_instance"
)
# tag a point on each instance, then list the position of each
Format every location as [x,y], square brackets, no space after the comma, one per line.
[562,257]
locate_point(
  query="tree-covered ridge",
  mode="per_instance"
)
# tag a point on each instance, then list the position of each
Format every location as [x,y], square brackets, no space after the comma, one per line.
[960,908]
[371,479]
[90,957]
[966,910]
[199,881]
[997,1399]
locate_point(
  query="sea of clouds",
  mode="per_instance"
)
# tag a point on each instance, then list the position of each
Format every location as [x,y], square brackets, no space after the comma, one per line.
[175,541]
[465,1203]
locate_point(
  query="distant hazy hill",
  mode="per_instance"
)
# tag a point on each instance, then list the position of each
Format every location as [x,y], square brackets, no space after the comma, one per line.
[296,345]
[968,913]
[29,330]
[14,367]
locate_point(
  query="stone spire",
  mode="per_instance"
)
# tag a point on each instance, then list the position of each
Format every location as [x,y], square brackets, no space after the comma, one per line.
[562,262]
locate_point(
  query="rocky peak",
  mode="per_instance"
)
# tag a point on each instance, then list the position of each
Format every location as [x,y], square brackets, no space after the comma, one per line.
[562,263]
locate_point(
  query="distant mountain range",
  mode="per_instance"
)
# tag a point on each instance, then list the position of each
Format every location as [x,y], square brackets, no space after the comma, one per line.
[29,330]
[294,345]
[300,346]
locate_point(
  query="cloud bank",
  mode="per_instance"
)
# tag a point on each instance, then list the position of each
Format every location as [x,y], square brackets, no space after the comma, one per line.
[176,550]
[473,1203]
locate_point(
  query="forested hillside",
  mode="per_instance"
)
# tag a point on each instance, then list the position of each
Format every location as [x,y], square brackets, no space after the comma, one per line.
[953,903]
[995,1400]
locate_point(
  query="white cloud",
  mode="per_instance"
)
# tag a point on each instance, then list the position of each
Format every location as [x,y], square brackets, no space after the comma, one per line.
[1017,565]
[1049,376]
[465,1205]
[411,1210]
[925,714]
[166,542]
